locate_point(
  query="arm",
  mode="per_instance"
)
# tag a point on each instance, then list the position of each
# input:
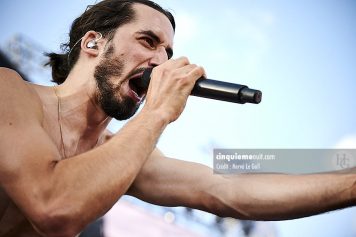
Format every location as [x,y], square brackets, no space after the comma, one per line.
[60,197]
[171,182]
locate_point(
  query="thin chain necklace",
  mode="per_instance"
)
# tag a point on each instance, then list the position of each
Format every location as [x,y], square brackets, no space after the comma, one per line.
[59,121]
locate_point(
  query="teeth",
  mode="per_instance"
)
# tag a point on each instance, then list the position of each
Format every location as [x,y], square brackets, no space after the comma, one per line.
[136,94]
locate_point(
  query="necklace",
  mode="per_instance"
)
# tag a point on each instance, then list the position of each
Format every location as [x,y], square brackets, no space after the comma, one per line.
[59,121]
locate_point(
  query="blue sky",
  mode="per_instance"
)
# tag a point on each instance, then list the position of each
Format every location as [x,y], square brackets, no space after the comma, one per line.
[301,54]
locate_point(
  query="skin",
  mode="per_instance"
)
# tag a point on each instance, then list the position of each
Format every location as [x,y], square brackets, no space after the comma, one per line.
[43,193]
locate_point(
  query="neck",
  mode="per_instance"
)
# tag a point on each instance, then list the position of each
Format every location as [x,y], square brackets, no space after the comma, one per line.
[81,119]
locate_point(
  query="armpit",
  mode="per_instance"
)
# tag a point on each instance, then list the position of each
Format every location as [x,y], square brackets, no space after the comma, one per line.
[104,137]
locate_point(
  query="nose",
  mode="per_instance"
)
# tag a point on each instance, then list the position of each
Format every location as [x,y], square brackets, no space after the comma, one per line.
[159,56]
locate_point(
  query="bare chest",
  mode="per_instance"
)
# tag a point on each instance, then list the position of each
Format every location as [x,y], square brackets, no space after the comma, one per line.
[66,138]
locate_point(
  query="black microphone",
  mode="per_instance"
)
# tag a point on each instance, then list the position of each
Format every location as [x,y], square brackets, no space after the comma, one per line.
[217,90]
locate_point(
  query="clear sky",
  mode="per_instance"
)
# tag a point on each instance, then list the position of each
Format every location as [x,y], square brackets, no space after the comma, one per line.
[301,54]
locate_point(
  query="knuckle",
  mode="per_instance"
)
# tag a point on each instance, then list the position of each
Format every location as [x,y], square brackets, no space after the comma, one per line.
[201,70]
[197,71]
[185,60]
[179,77]
[165,72]
[184,80]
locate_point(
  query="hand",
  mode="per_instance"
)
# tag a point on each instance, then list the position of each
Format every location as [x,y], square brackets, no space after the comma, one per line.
[171,84]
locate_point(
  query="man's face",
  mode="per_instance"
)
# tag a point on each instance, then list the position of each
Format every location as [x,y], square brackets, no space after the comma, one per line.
[145,42]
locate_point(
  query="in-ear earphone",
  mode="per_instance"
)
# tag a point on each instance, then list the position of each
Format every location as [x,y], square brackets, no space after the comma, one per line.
[92,43]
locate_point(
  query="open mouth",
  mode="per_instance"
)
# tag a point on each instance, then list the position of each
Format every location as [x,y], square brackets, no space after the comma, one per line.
[137,86]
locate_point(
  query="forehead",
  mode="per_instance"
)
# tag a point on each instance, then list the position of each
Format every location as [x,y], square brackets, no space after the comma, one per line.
[147,18]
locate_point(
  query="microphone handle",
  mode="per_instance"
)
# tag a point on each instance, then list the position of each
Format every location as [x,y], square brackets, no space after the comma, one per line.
[219,90]
[225,91]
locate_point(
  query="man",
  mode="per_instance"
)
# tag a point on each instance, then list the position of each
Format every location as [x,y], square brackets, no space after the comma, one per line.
[60,169]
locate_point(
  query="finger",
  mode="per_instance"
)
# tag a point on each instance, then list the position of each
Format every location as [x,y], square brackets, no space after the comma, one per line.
[177,63]
[192,72]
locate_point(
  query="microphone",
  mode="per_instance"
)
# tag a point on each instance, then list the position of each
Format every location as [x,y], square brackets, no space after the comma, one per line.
[217,90]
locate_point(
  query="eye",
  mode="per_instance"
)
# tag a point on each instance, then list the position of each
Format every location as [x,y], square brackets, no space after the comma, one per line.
[149,42]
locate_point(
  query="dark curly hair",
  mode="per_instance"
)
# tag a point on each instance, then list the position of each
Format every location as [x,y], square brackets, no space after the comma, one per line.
[104,17]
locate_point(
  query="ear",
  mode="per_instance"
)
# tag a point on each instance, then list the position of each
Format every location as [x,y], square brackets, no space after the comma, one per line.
[91,43]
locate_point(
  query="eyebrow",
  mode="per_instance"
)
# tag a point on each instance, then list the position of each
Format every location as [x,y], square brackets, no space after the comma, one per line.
[155,37]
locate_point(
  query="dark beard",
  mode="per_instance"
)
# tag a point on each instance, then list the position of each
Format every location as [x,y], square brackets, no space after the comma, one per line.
[118,108]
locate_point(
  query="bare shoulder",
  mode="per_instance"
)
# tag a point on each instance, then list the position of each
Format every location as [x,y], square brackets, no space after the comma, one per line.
[20,121]
[27,153]
[17,97]
[10,77]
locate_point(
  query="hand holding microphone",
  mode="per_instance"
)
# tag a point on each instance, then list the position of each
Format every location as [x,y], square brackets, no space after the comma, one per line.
[217,90]
[168,87]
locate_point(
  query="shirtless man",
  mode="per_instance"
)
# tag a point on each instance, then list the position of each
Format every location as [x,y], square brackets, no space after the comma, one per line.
[60,169]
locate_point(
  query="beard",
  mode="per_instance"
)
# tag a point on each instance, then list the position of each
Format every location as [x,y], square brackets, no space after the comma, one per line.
[114,105]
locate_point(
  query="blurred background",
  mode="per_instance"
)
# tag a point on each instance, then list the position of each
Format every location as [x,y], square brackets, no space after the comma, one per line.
[301,54]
